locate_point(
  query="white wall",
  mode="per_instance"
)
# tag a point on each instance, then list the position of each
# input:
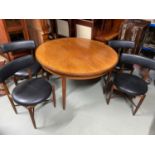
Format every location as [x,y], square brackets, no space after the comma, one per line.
[62,27]
[82,31]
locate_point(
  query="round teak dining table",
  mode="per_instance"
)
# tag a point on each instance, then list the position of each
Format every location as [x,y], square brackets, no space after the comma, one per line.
[76,58]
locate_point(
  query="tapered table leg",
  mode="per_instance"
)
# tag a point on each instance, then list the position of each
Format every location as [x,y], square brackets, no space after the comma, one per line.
[64,93]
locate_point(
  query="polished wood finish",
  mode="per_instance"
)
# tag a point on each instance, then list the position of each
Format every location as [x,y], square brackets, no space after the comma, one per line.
[76,58]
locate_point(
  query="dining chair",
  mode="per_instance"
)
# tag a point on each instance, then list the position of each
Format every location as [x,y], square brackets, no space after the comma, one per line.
[131,85]
[28,93]
[120,46]
[19,46]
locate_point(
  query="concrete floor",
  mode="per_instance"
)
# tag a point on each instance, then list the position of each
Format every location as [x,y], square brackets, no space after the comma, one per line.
[86,113]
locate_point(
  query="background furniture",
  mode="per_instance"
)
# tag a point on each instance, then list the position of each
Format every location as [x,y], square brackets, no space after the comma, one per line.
[71,27]
[133,30]
[41,30]
[76,58]
[106,29]
[97,29]
[148,45]
[148,49]
[13,30]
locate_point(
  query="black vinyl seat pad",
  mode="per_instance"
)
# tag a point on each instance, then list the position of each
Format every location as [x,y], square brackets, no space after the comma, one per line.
[130,84]
[35,68]
[32,92]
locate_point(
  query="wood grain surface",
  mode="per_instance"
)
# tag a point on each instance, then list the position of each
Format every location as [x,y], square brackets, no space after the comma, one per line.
[76,57]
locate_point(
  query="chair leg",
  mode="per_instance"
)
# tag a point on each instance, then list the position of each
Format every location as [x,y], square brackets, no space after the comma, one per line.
[9,97]
[47,75]
[15,80]
[106,82]
[31,112]
[110,93]
[12,103]
[139,104]
[109,77]
[53,96]
[42,73]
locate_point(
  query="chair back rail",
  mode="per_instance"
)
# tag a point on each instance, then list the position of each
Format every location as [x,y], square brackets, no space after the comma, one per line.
[121,44]
[137,59]
[17,46]
[12,67]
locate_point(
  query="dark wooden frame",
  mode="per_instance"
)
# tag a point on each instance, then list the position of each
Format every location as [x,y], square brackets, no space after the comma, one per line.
[135,106]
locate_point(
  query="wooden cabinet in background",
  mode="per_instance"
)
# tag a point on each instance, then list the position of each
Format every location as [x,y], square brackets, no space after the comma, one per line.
[96,29]
[133,30]
[40,30]
[13,30]
[106,29]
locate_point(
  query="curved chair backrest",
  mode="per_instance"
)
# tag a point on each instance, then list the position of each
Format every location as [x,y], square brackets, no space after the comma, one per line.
[121,44]
[137,59]
[14,66]
[17,46]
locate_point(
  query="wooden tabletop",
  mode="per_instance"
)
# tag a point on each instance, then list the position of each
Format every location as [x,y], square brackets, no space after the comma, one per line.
[76,57]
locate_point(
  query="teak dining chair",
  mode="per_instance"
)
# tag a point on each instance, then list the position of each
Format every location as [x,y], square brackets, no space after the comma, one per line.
[120,46]
[131,85]
[28,93]
[19,46]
